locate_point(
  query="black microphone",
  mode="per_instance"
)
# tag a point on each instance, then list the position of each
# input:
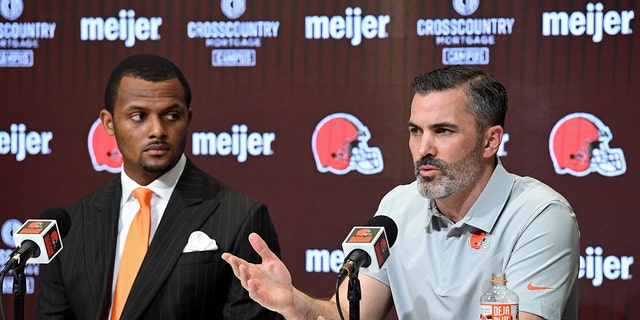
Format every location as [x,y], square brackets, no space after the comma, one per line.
[371,240]
[39,240]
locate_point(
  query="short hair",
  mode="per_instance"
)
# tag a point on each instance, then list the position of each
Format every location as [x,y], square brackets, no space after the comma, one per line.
[486,97]
[147,67]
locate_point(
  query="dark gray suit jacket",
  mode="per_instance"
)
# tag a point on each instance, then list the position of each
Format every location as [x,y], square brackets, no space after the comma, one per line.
[170,284]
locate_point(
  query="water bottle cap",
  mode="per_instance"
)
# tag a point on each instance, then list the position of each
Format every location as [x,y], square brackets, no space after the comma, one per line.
[499,277]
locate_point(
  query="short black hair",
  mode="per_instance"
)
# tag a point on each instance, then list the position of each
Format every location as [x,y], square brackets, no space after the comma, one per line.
[486,97]
[147,67]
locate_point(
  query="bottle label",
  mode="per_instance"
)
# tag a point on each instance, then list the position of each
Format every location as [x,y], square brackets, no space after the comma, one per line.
[499,311]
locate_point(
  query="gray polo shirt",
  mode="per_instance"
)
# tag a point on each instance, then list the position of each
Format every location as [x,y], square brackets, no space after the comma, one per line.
[439,269]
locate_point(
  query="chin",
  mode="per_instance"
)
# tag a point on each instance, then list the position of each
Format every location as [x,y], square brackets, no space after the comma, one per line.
[158,167]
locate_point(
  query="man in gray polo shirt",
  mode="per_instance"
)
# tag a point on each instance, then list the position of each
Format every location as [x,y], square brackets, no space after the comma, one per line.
[464,218]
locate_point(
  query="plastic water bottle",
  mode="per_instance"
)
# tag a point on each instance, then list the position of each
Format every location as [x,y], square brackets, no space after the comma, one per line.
[499,303]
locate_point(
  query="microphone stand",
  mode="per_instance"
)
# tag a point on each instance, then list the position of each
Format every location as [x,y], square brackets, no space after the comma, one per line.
[19,289]
[354,295]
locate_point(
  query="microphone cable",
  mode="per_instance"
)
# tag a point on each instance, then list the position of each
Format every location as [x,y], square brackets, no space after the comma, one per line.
[338,281]
[4,313]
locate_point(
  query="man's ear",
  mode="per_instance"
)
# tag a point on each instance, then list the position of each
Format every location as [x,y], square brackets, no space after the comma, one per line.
[492,141]
[107,121]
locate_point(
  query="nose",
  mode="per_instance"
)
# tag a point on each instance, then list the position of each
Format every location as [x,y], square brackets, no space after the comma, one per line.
[426,146]
[156,128]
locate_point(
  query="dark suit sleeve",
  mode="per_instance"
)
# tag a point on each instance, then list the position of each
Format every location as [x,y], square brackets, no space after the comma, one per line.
[239,305]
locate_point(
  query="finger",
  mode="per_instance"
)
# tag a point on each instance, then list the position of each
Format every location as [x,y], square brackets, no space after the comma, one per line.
[226,256]
[231,259]
[254,291]
[261,247]
[252,286]
[243,275]
[235,263]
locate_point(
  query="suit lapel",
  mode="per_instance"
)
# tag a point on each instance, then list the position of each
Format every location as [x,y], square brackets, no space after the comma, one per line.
[99,237]
[185,213]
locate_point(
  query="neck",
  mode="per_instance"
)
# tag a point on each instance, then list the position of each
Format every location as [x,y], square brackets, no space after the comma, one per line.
[456,206]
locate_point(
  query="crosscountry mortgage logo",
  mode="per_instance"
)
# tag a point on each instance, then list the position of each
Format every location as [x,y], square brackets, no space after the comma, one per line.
[233,57]
[466,39]
[465,7]
[234,42]
[11,9]
[19,38]
[233,9]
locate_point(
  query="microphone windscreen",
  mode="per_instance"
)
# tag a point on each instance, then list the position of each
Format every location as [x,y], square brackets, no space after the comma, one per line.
[389,226]
[63,220]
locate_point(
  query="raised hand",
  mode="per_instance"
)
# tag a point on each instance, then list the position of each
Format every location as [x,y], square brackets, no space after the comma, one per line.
[268,283]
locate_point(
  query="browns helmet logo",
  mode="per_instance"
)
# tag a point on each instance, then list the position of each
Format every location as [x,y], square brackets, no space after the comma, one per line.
[103,149]
[363,232]
[579,145]
[339,145]
[479,240]
[36,225]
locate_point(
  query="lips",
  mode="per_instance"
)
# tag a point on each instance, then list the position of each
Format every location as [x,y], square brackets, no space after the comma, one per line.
[157,149]
[428,170]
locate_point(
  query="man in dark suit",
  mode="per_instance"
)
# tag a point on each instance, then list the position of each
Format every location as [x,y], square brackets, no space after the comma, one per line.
[193,218]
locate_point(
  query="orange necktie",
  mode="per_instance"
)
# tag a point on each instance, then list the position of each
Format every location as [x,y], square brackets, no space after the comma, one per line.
[135,249]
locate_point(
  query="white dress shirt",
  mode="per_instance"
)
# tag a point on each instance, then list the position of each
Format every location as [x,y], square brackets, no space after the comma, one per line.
[162,189]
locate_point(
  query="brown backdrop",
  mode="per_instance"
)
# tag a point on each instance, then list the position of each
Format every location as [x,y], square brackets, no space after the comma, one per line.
[297,81]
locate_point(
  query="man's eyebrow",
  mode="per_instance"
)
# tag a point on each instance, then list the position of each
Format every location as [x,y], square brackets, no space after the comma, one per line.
[142,108]
[438,125]
[134,107]
[173,106]
[445,124]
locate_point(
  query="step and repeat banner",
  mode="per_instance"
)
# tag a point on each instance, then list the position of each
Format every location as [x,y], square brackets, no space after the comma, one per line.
[273,81]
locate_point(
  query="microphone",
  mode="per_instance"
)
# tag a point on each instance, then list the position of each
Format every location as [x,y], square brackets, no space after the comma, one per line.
[39,240]
[372,240]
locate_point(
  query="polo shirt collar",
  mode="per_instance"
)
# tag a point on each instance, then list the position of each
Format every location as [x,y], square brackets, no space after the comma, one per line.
[485,211]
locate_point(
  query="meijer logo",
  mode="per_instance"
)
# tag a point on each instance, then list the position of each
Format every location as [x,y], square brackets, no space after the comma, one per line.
[126,28]
[595,22]
[596,267]
[354,26]
[21,142]
[240,143]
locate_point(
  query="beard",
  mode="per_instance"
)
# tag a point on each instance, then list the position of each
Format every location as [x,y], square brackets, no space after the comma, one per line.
[456,176]
[161,165]
[158,168]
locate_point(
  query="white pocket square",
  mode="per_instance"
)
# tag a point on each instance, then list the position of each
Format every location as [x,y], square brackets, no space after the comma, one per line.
[200,241]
